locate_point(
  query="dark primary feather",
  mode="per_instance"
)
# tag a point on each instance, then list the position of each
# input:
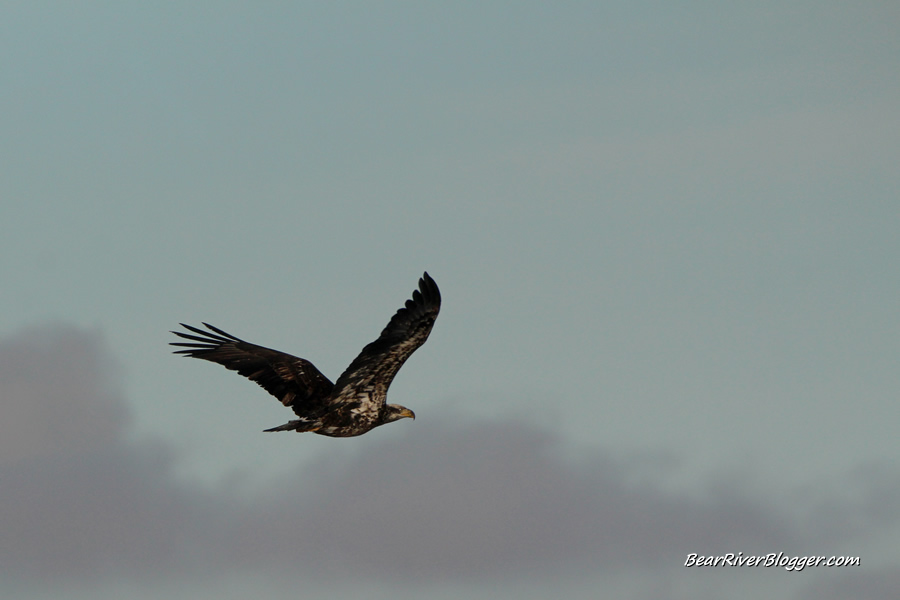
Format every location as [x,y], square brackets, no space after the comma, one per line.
[356,403]
[294,381]
[407,330]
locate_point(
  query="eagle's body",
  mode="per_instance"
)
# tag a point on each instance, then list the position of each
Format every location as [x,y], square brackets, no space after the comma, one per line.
[354,404]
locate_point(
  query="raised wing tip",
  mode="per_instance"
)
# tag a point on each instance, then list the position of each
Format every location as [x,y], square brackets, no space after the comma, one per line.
[429,289]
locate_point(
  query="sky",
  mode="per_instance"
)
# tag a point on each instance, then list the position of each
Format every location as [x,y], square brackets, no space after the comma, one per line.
[666,239]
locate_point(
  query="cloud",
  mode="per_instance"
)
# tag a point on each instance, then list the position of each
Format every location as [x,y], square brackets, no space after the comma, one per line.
[450,499]
[58,392]
[75,498]
[882,583]
[464,499]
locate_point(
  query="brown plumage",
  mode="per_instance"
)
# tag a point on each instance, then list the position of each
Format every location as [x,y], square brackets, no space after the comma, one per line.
[354,404]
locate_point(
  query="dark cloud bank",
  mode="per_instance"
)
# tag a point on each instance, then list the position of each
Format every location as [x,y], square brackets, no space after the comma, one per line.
[445,499]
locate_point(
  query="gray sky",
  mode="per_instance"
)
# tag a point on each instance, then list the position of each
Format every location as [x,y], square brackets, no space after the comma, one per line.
[666,238]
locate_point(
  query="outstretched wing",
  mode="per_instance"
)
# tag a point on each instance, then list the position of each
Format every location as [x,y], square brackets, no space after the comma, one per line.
[294,381]
[375,367]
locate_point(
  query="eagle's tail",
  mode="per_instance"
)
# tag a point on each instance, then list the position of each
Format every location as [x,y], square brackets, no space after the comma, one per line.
[299,426]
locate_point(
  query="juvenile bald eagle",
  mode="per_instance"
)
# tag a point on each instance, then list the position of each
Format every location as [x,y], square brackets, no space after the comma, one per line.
[353,405]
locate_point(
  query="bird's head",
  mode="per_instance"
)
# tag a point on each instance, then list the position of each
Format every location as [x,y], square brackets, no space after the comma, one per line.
[395,412]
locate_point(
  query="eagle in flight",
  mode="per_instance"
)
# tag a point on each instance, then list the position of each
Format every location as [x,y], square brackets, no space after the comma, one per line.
[354,404]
